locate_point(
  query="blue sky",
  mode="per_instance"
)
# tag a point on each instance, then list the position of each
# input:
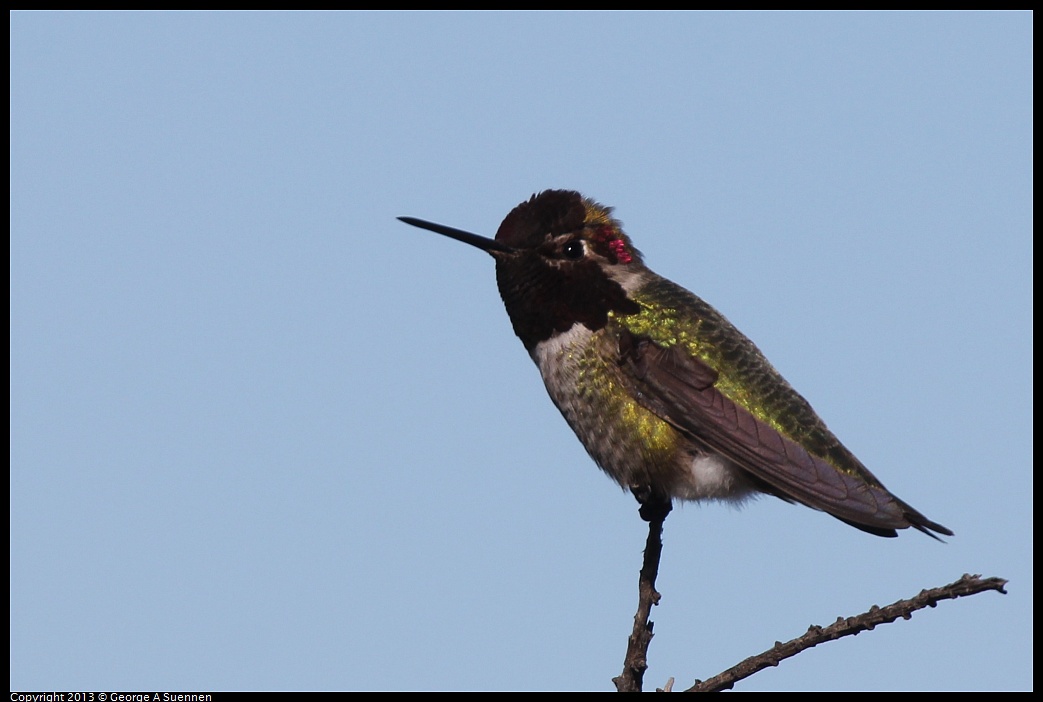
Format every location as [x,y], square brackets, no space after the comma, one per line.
[264,436]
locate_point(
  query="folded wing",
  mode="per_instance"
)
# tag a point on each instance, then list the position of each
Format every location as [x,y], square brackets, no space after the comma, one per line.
[682,390]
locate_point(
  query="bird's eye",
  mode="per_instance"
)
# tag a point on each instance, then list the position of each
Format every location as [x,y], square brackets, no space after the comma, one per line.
[573,250]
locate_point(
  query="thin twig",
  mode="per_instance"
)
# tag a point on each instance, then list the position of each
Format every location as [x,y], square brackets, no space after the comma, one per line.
[967,585]
[653,511]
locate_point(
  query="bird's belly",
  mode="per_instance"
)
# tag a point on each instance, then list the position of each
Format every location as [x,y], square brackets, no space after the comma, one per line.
[633,445]
[713,477]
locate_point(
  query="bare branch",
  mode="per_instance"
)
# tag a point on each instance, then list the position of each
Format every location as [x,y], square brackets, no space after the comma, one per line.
[967,585]
[653,511]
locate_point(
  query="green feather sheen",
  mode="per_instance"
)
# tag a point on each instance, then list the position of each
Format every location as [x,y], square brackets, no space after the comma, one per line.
[671,315]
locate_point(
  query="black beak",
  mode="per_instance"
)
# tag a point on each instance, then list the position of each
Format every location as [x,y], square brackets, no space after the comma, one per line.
[490,246]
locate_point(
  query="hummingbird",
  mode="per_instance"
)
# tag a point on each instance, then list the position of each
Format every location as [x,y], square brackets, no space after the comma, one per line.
[666,395]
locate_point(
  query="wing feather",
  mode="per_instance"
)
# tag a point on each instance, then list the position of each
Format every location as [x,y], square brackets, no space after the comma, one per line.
[682,391]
